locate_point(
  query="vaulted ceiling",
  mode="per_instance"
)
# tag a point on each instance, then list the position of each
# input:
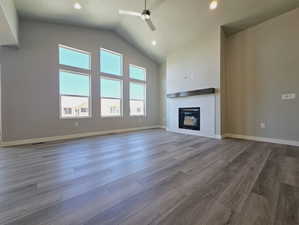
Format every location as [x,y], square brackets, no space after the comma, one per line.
[177,21]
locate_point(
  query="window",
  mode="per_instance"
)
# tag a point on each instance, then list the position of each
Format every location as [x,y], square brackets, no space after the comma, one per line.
[111,97]
[137,99]
[74,83]
[137,90]
[74,94]
[74,58]
[137,73]
[111,62]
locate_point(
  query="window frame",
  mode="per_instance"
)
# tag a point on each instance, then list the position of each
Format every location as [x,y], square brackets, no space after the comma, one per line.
[82,96]
[139,82]
[78,71]
[112,77]
[121,61]
[139,67]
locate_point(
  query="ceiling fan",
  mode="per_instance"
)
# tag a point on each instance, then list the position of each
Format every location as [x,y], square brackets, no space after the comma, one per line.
[145,15]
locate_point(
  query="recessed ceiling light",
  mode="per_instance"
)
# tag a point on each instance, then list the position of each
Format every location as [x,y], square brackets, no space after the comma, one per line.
[213,5]
[154,43]
[77,5]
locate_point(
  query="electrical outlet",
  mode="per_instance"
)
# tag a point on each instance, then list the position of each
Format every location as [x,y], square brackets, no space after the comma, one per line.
[76,124]
[284,96]
[288,96]
[263,125]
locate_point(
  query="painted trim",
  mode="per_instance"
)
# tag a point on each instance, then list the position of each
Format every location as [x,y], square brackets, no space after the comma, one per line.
[262,139]
[90,134]
[72,136]
[220,137]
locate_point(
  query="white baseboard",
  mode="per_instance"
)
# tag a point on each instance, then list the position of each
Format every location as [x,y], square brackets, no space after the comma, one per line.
[220,137]
[90,134]
[72,136]
[262,139]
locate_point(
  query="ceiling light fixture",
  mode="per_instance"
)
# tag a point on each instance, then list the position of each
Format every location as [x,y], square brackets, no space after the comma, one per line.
[145,16]
[213,5]
[77,5]
[154,43]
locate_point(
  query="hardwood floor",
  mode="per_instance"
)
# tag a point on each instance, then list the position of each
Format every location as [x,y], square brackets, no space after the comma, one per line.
[150,177]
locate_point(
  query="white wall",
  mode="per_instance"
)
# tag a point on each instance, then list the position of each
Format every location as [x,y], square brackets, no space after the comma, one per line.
[196,66]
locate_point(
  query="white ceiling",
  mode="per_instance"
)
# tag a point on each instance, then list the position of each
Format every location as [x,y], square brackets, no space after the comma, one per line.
[177,21]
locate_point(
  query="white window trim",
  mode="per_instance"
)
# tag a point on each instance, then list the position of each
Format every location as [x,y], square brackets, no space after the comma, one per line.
[89,97]
[121,97]
[145,97]
[121,61]
[139,67]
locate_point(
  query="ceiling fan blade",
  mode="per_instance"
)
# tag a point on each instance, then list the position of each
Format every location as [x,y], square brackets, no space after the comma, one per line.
[128,13]
[150,24]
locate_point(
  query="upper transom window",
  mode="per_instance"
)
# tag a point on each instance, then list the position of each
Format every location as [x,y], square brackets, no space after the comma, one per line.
[74,58]
[111,62]
[137,73]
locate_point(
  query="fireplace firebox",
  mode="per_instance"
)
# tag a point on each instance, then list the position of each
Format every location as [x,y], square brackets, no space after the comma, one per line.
[189,118]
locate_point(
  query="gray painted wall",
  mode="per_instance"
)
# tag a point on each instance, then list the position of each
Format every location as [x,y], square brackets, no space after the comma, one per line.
[163,72]
[262,64]
[0,103]
[196,66]
[30,82]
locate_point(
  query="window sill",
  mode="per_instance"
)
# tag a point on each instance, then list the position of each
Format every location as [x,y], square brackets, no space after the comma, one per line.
[111,117]
[75,118]
[138,116]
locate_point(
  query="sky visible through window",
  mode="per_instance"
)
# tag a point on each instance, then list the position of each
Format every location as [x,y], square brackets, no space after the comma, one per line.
[111,63]
[137,73]
[74,84]
[110,88]
[74,58]
[137,91]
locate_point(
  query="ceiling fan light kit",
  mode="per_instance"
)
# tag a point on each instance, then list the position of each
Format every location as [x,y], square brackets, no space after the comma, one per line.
[146,14]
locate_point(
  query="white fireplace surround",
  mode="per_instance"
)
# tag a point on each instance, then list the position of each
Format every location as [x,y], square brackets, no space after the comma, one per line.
[207,104]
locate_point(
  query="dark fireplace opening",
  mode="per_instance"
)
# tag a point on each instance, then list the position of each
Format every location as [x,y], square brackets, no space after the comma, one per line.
[189,118]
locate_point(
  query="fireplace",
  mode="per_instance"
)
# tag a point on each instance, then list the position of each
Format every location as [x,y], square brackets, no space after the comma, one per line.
[189,118]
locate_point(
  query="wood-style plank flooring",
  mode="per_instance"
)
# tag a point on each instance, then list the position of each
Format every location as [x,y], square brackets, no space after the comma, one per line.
[148,178]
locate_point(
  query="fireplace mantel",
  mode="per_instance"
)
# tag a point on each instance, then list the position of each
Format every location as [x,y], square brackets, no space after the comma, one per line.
[205,91]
